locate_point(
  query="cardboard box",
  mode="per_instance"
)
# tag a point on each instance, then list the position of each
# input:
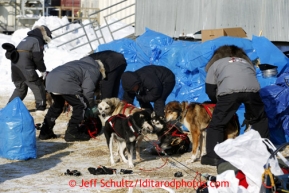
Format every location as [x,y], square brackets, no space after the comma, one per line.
[210,34]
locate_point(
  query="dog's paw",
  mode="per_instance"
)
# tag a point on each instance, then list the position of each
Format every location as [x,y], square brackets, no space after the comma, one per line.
[139,159]
[193,159]
[112,163]
[189,161]
[130,165]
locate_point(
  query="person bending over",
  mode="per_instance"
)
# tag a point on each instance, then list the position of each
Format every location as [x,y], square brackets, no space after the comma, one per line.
[114,64]
[74,82]
[148,84]
[230,81]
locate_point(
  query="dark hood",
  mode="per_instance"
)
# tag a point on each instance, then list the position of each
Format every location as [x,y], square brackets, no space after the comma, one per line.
[95,56]
[129,80]
[41,32]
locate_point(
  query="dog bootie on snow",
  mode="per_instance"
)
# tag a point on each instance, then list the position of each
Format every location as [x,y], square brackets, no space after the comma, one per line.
[104,170]
[123,171]
[72,173]
[101,170]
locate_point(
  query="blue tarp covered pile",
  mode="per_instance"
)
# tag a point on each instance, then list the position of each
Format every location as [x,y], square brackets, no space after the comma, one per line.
[188,59]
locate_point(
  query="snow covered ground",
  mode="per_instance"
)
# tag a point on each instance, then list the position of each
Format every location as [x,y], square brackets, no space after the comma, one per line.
[55,156]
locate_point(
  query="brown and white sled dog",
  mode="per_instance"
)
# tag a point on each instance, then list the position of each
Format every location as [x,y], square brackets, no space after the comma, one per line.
[196,117]
[126,131]
[114,106]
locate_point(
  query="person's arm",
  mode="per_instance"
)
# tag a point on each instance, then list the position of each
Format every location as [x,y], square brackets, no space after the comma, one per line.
[152,94]
[37,57]
[128,97]
[211,85]
[154,89]
[88,87]
[211,90]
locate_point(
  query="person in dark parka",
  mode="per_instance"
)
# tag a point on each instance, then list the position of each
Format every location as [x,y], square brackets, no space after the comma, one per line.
[114,64]
[74,82]
[24,75]
[230,81]
[148,84]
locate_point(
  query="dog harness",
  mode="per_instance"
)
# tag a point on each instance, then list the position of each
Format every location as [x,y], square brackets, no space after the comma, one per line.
[183,136]
[91,125]
[178,133]
[207,108]
[112,122]
[126,105]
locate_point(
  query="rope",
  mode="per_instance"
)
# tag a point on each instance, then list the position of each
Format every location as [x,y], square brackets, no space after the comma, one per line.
[173,125]
[160,150]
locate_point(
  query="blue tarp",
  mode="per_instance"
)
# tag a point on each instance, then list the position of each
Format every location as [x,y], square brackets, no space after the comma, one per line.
[188,59]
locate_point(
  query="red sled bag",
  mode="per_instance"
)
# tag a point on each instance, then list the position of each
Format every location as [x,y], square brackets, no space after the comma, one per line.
[92,126]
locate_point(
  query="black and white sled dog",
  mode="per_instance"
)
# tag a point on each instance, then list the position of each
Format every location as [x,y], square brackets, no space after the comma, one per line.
[127,131]
[172,140]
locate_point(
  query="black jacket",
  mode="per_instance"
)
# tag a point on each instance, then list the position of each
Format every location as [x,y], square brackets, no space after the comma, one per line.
[150,78]
[30,51]
[110,59]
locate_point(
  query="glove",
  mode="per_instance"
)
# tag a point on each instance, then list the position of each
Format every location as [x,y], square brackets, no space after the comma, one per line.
[91,112]
[94,110]
[44,74]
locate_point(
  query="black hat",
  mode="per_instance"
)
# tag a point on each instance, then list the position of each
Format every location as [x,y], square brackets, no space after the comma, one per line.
[9,47]
[129,79]
[11,52]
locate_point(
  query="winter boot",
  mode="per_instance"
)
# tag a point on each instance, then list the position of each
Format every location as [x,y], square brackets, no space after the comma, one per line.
[40,110]
[74,134]
[213,138]
[46,130]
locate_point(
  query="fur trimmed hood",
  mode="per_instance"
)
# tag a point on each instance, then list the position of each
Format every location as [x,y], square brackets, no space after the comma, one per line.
[227,51]
[100,66]
[101,69]
[42,32]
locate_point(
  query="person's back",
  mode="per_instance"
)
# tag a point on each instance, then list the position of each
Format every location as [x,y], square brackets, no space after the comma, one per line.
[75,77]
[233,75]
